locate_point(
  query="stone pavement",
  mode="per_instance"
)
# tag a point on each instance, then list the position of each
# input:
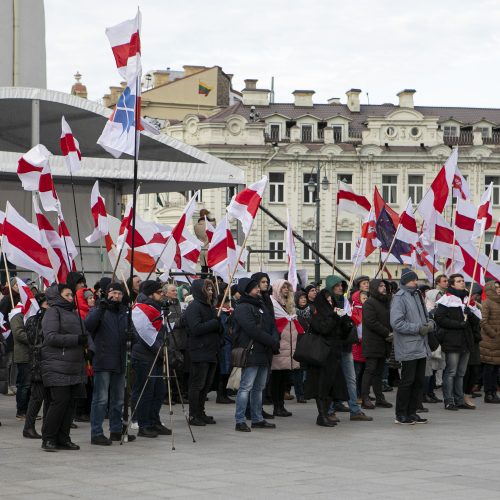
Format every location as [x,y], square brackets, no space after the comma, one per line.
[457,455]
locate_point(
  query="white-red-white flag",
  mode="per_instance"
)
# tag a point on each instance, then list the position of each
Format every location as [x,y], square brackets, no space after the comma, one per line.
[221,253]
[291,254]
[465,219]
[31,165]
[350,202]
[444,238]
[461,190]
[496,238]
[144,230]
[209,229]
[425,258]
[27,300]
[125,42]
[147,322]
[47,191]
[437,195]
[71,251]
[98,210]
[245,204]
[367,241]
[484,217]
[23,246]
[408,231]
[70,148]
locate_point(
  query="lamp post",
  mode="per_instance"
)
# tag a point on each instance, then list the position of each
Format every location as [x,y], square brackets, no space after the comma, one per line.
[313,187]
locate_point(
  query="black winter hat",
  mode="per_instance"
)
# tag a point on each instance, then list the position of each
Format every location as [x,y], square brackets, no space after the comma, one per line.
[408,275]
[149,287]
[115,287]
[245,285]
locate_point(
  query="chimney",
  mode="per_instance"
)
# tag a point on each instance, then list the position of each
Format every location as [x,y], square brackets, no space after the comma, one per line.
[190,69]
[406,98]
[160,77]
[353,100]
[78,88]
[252,96]
[334,100]
[303,98]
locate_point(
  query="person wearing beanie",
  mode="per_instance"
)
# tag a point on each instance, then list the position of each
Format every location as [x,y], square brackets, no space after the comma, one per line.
[264,285]
[254,330]
[411,326]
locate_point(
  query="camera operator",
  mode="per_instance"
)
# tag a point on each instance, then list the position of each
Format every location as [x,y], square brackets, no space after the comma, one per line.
[107,324]
[143,355]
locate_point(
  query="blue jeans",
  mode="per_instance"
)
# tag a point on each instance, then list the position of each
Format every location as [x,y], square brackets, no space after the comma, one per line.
[112,384]
[253,382]
[453,377]
[23,385]
[350,380]
[149,406]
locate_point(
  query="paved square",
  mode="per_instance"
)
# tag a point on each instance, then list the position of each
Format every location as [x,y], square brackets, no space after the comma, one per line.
[457,455]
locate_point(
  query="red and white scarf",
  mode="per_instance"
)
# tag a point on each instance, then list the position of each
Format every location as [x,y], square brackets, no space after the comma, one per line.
[450,300]
[282,318]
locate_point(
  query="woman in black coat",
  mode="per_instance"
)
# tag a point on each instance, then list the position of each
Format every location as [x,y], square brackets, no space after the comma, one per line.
[327,383]
[63,366]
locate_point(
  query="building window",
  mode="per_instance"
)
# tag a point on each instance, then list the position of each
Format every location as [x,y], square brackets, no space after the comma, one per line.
[310,237]
[496,187]
[337,133]
[276,187]
[345,178]
[275,132]
[450,131]
[309,197]
[321,130]
[390,188]
[230,192]
[485,132]
[276,245]
[488,240]
[289,125]
[307,133]
[344,246]
[415,188]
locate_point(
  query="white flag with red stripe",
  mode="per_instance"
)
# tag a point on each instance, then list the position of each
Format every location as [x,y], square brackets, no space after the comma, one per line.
[31,165]
[147,322]
[484,217]
[408,231]
[291,254]
[221,253]
[98,210]
[350,202]
[425,258]
[496,239]
[460,186]
[144,230]
[23,245]
[125,42]
[209,229]
[71,251]
[437,195]
[245,204]
[47,191]
[367,241]
[27,300]
[70,148]
[465,219]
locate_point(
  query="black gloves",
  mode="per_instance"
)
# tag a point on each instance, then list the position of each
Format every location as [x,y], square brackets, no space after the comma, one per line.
[276,347]
[83,340]
[467,310]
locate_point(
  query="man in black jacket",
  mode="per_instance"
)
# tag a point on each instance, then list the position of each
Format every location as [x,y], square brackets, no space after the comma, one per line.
[253,329]
[205,338]
[107,325]
[457,327]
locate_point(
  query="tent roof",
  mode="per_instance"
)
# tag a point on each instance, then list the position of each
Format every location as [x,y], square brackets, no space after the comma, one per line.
[165,164]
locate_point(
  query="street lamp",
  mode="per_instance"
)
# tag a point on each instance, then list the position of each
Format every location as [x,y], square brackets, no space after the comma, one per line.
[313,187]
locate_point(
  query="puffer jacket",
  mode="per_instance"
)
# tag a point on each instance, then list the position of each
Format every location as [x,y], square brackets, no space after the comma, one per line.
[490,326]
[357,318]
[63,360]
[376,322]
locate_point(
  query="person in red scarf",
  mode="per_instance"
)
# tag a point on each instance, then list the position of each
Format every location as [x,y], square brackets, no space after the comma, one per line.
[358,299]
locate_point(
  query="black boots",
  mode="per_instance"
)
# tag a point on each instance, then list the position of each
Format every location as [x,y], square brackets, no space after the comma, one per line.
[280,410]
[322,419]
[222,397]
[491,397]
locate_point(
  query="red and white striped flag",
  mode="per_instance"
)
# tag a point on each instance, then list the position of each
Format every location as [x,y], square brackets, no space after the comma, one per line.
[367,241]
[221,253]
[31,165]
[147,322]
[444,238]
[70,250]
[23,246]
[437,195]
[408,231]
[47,191]
[98,209]
[484,217]
[424,259]
[70,148]
[209,229]
[460,186]
[496,238]
[291,254]
[27,300]
[144,230]
[465,219]
[350,202]
[245,204]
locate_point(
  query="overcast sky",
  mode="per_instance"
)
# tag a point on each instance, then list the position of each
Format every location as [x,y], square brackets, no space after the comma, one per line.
[448,50]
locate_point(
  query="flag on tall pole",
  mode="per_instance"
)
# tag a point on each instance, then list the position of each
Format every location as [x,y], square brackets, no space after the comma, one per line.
[461,190]
[31,165]
[484,217]
[350,202]
[408,231]
[70,148]
[291,254]
[98,210]
[367,242]
[465,220]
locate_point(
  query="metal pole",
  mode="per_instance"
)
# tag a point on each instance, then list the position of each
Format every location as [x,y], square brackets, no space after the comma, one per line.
[317,265]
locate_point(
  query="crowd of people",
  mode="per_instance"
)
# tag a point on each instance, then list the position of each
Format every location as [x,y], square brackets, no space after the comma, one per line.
[251,343]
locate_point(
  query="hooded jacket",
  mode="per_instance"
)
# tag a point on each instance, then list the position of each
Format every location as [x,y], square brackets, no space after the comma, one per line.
[357,318]
[204,329]
[265,296]
[490,326]
[376,321]
[63,359]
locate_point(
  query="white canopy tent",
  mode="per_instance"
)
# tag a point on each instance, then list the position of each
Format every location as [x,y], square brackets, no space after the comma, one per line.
[29,116]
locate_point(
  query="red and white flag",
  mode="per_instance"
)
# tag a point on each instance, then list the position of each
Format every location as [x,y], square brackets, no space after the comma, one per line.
[245,204]
[27,300]
[31,165]
[125,42]
[70,148]
[484,217]
[98,209]
[221,253]
[367,241]
[460,186]
[496,238]
[71,251]
[144,230]
[147,322]
[425,258]
[465,219]
[408,231]
[437,195]
[350,202]
[23,245]
[47,191]
[209,229]
[291,254]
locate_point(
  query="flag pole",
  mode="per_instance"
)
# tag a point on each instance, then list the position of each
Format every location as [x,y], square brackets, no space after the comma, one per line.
[8,278]
[76,218]
[336,228]
[381,269]
[490,254]
[353,276]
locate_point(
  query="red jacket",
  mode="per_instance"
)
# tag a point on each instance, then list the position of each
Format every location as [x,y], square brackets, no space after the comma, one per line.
[356,316]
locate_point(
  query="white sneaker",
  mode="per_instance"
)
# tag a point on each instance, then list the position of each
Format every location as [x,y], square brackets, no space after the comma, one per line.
[134,426]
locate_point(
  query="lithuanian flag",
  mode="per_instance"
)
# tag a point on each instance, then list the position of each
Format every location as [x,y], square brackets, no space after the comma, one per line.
[203,88]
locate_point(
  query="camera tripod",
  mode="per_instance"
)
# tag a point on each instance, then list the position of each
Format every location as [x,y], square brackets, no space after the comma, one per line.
[167,335]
